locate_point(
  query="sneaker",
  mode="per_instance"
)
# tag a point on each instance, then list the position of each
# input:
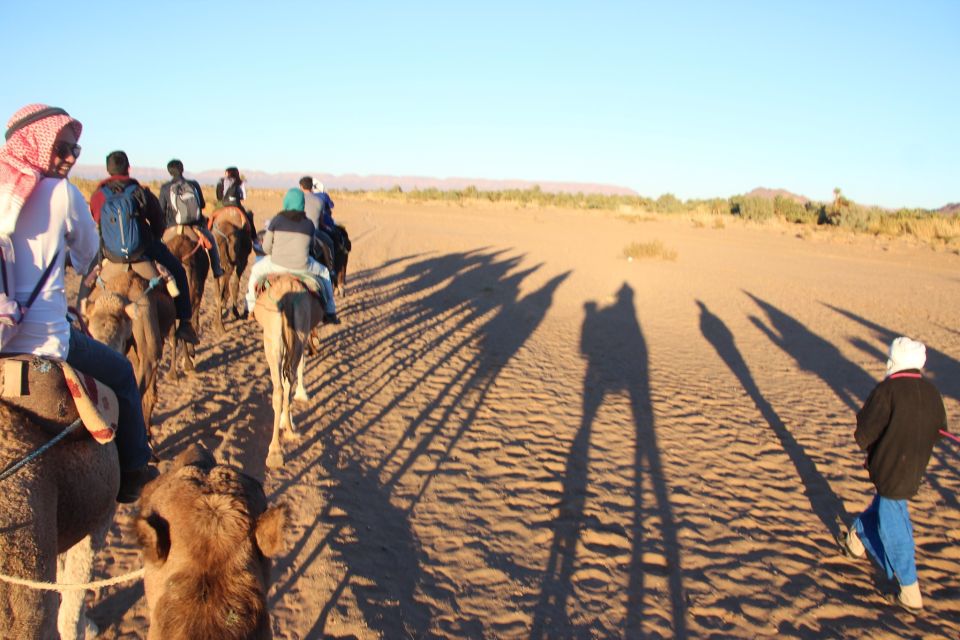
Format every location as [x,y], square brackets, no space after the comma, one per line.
[910,598]
[851,545]
[331,319]
[132,482]
[186,332]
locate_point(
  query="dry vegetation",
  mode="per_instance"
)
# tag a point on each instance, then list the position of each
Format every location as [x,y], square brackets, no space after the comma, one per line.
[652,249]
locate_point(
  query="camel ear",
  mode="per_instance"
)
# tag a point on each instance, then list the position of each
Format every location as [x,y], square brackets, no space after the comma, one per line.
[132,310]
[270,527]
[153,533]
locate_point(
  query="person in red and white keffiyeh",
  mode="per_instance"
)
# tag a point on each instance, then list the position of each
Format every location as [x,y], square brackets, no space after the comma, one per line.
[27,156]
[43,216]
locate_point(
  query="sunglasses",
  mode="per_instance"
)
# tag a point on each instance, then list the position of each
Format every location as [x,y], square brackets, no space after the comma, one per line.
[66,149]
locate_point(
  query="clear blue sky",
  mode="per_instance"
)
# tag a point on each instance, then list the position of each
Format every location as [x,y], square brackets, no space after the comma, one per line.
[697,99]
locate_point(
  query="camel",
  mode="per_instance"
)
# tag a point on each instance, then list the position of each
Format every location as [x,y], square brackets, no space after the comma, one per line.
[153,319]
[234,240]
[207,536]
[184,242]
[288,311]
[61,503]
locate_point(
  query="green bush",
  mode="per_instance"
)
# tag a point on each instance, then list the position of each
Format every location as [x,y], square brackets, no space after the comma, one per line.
[752,208]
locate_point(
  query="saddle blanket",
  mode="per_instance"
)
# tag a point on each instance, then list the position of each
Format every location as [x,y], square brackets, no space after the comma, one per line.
[96,402]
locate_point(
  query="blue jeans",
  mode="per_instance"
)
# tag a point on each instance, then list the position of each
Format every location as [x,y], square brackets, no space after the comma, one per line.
[264,266]
[114,370]
[886,532]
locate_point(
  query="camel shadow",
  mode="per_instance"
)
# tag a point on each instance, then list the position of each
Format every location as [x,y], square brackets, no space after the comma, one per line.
[825,503]
[466,320]
[613,344]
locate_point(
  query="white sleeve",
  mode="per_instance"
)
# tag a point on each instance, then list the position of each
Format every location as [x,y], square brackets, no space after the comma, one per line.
[83,239]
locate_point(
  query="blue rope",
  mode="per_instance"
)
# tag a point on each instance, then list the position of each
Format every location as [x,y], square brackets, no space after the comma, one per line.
[9,471]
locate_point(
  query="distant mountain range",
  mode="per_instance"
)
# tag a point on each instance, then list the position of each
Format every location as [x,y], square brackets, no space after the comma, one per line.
[771,194]
[354,182]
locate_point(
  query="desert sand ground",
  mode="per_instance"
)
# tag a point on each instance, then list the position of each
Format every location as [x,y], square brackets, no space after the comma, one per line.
[518,433]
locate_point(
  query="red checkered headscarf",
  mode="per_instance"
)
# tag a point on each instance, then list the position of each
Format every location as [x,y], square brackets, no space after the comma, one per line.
[25,156]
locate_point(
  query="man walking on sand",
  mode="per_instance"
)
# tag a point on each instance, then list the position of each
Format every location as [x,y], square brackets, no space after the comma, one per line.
[897,427]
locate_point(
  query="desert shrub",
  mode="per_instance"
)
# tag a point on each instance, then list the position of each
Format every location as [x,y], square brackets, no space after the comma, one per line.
[668,203]
[853,217]
[653,249]
[792,211]
[752,208]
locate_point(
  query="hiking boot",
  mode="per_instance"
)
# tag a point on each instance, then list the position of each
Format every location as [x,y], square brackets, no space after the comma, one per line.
[331,318]
[186,333]
[132,482]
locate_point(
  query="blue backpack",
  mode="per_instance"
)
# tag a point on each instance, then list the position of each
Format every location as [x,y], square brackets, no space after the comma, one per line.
[121,229]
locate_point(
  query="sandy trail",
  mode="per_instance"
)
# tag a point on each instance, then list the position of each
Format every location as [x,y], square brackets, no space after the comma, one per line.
[517,433]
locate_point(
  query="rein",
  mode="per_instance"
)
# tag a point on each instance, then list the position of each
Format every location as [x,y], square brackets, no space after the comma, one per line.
[16,466]
[196,247]
[893,376]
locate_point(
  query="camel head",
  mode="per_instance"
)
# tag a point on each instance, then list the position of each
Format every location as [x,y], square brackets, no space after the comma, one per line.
[110,319]
[207,537]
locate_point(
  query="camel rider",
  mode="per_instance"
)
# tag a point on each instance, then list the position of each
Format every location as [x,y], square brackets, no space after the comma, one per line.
[118,166]
[312,207]
[182,203]
[231,192]
[286,242]
[45,216]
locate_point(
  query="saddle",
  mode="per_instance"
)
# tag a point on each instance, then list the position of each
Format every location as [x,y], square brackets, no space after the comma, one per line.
[190,231]
[308,281]
[154,273]
[39,388]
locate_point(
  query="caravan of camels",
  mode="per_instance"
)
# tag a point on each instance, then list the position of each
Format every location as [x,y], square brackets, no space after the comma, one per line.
[206,529]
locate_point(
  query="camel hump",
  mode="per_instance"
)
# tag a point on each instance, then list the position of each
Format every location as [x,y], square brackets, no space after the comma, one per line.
[187,230]
[146,269]
[229,215]
[42,389]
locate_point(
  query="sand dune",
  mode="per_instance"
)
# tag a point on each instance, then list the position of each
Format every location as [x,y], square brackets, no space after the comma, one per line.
[517,433]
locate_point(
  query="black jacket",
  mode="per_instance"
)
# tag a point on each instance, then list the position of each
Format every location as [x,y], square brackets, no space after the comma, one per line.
[897,427]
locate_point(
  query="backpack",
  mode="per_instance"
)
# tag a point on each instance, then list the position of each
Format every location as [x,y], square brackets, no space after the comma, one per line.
[122,233]
[186,204]
[12,312]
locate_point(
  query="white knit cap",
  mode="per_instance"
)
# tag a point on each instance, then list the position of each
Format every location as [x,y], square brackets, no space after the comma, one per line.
[906,354]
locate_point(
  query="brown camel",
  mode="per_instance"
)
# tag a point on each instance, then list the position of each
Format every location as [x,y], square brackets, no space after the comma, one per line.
[60,503]
[288,311]
[235,242]
[153,319]
[184,243]
[207,537]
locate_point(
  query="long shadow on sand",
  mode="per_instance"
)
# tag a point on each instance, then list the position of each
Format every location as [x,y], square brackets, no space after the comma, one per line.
[617,362]
[467,318]
[823,500]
